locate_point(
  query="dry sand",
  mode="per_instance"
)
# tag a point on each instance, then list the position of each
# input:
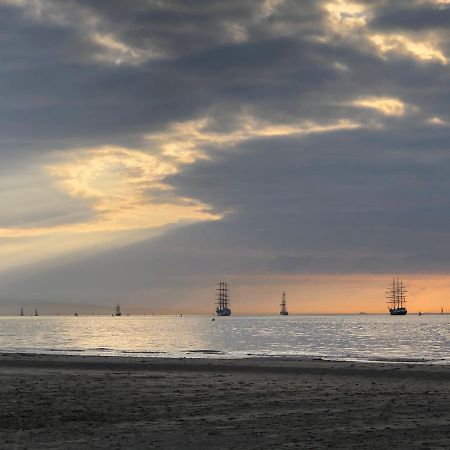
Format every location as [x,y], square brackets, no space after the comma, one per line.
[61,402]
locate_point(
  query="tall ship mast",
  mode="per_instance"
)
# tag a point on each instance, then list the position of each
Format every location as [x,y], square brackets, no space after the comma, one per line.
[396,295]
[118,313]
[223,299]
[283,310]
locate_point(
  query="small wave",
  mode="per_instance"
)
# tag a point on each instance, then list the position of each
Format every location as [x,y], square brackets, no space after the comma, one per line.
[100,349]
[64,350]
[142,352]
[205,352]
[402,360]
[285,356]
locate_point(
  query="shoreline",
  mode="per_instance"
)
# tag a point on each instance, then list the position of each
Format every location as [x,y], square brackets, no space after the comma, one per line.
[88,402]
[193,364]
[213,355]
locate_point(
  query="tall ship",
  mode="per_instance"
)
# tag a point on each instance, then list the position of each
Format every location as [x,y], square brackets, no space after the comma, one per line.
[223,300]
[396,295]
[118,313]
[283,310]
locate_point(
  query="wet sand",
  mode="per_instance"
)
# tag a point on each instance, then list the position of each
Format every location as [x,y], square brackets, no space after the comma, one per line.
[62,402]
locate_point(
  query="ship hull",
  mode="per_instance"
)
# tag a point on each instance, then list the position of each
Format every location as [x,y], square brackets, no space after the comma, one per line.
[225,312]
[398,311]
[284,313]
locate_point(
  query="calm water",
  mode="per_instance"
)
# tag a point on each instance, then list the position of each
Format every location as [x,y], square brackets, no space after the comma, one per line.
[364,337]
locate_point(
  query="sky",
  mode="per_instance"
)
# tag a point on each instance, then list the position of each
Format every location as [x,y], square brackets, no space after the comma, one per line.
[151,148]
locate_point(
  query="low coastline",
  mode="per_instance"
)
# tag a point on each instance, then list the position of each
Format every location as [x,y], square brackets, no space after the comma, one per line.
[74,402]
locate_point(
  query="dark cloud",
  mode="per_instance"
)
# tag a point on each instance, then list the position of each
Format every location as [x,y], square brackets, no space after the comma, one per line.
[411,17]
[335,193]
[180,28]
[55,95]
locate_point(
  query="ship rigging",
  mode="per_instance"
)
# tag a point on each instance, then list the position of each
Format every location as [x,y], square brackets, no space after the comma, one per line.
[223,300]
[396,295]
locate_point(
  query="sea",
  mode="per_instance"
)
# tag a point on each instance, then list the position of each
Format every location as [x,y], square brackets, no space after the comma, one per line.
[371,338]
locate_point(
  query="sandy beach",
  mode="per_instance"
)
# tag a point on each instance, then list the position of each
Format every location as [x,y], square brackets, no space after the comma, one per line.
[65,402]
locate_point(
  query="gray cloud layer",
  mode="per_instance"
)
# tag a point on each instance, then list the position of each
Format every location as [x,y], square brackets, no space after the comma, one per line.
[373,199]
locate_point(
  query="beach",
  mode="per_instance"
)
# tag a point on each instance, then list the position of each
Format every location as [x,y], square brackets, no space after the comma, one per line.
[71,402]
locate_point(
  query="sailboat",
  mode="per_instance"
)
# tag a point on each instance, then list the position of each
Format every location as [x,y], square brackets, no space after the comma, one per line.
[396,295]
[283,310]
[223,300]
[21,312]
[118,313]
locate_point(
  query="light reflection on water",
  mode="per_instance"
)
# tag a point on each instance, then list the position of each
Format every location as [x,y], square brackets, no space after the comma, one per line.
[346,337]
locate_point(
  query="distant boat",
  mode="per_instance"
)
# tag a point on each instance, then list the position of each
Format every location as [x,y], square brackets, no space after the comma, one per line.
[223,300]
[283,311]
[21,312]
[118,313]
[36,312]
[419,313]
[442,310]
[396,295]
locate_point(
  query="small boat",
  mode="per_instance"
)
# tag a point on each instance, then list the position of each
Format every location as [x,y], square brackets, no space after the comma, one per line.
[118,313]
[283,310]
[396,295]
[223,300]
[419,313]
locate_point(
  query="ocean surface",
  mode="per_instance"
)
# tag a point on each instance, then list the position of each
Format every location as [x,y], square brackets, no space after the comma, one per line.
[410,339]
